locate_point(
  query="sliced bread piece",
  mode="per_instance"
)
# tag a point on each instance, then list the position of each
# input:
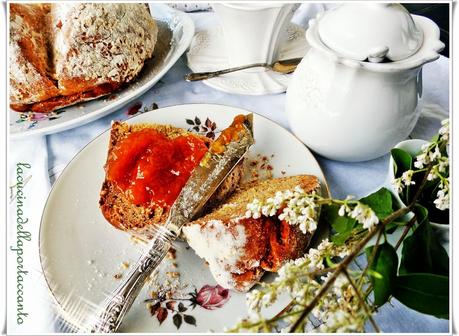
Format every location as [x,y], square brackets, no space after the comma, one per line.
[239,249]
[119,200]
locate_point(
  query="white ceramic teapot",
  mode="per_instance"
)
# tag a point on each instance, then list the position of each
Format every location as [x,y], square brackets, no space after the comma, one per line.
[355,93]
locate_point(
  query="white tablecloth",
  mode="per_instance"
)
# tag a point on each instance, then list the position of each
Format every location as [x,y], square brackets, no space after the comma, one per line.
[50,154]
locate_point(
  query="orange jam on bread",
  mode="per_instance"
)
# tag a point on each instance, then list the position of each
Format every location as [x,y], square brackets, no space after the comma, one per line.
[229,134]
[152,168]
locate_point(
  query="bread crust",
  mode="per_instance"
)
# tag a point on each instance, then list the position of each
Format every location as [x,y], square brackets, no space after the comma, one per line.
[117,208]
[28,56]
[64,53]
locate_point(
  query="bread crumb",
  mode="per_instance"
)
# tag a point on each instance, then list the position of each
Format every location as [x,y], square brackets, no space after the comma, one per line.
[134,239]
[173,275]
[172,253]
[258,169]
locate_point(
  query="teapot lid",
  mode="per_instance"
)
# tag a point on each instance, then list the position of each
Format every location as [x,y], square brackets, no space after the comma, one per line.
[370,31]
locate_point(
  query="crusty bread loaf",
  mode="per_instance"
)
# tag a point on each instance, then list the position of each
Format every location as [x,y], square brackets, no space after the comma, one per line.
[64,53]
[116,206]
[96,44]
[240,249]
[28,56]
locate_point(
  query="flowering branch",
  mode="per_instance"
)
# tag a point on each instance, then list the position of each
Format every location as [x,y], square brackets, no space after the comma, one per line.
[346,262]
[434,165]
[332,293]
[300,208]
[362,301]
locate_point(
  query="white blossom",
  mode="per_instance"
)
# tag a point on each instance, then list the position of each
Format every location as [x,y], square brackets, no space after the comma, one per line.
[253,209]
[433,174]
[435,155]
[339,283]
[443,165]
[344,209]
[398,185]
[298,208]
[442,200]
[343,253]
[253,300]
[421,160]
[324,245]
[407,177]
[444,130]
[364,215]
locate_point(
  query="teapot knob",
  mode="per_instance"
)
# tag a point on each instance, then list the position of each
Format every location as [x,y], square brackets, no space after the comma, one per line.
[377,54]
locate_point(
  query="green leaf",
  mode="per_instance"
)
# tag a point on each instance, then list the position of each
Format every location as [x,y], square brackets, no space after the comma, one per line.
[392,226]
[425,293]
[402,160]
[422,215]
[181,307]
[177,320]
[340,238]
[422,252]
[342,225]
[380,201]
[385,264]
[339,223]
[189,319]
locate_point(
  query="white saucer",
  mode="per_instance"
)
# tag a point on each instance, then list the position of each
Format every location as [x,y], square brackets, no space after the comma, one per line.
[208,53]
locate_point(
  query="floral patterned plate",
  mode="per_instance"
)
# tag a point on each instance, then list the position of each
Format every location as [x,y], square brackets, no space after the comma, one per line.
[84,257]
[176,30]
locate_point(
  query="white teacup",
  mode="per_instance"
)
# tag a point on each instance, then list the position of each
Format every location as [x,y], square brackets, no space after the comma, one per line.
[252,31]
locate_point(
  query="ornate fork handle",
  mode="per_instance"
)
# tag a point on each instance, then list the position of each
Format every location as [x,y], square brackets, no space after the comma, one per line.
[116,307]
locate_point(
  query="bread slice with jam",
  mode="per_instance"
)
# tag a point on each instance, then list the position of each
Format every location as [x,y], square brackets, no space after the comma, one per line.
[240,249]
[147,166]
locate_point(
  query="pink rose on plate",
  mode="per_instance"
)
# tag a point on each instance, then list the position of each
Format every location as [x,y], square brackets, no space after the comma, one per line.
[211,297]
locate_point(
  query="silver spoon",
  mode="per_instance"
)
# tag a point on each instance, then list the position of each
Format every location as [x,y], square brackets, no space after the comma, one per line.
[283,66]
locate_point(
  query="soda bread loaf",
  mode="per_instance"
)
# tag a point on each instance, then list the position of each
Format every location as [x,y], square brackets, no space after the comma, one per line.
[64,53]
[239,249]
